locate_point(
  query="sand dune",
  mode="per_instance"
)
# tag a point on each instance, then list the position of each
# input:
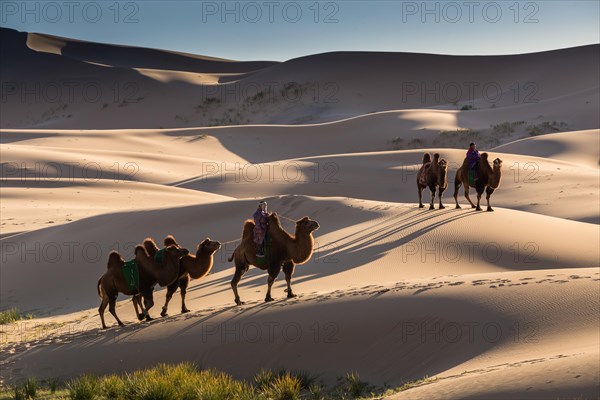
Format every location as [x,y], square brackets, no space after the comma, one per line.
[495,305]
[135,57]
[580,148]
[299,91]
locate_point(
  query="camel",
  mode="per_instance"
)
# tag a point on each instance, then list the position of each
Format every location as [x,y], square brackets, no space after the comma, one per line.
[286,251]
[194,267]
[432,174]
[488,179]
[113,281]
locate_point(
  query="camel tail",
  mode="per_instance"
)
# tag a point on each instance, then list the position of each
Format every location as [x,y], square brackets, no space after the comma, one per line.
[426,158]
[230,258]
[98,287]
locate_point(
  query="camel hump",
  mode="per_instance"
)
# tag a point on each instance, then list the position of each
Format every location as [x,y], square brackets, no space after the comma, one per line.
[114,258]
[150,245]
[484,156]
[170,241]
[426,158]
[141,250]
[148,241]
[436,156]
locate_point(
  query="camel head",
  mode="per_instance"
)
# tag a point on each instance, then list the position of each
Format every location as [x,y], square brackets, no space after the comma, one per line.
[497,163]
[210,245]
[306,225]
[443,165]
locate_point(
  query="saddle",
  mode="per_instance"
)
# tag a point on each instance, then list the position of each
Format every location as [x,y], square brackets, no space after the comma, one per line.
[132,274]
[263,260]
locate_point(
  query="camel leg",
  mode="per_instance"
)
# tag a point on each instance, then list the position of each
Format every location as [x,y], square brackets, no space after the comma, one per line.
[273,272]
[431,207]
[421,197]
[456,189]
[440,195]
[148,302]
[488,193]
[137,305]
[239,271]
[102,307]
[112,302]
[171,289]
[467,196]
[479,200]
[183,285]
[288,270]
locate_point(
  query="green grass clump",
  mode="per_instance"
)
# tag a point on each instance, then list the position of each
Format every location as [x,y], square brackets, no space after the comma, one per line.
[12,315]
[27,390]
[84,388]
[351,386]
[187,382]
[284,387]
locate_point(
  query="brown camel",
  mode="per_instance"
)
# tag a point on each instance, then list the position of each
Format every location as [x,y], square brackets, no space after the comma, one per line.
[488,179]
[113,281]
[194,267]
[432,174]
[286,251]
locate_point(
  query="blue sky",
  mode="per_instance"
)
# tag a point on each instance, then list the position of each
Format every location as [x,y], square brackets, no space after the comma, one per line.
[280,30]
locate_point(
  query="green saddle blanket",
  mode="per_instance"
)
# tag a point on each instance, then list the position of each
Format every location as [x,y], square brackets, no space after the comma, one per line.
[132,275]
[263,260]
[471,175]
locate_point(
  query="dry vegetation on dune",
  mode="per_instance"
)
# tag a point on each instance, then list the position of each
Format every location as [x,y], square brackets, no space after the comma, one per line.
[495,135]
[187,381]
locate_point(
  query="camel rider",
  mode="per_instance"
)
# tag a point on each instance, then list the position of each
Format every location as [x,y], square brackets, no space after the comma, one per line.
[473,156]
[260,228]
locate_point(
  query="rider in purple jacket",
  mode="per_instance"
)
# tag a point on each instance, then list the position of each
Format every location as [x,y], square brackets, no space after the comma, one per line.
[260,227]
[473,156]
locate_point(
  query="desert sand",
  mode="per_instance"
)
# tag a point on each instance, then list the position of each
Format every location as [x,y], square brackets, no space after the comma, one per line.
[489,305]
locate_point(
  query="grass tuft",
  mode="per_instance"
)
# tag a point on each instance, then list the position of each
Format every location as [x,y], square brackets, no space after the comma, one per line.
[12,315]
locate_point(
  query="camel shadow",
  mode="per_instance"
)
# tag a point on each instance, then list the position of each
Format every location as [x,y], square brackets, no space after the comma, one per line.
[358,249]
